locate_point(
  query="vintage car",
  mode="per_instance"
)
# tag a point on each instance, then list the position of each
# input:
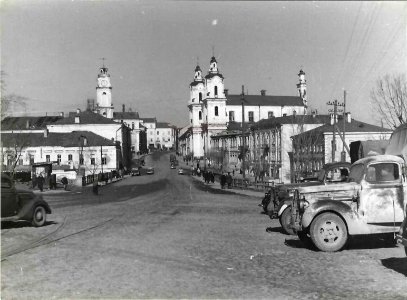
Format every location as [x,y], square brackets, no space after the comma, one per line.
[135,172]
[277,201]
[150,170]
[372,201]
[19,204]
[172,166]
[402,236]
[181,171]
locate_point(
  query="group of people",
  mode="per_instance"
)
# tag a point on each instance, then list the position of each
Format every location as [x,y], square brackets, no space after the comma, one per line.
[208,176]
[226,180]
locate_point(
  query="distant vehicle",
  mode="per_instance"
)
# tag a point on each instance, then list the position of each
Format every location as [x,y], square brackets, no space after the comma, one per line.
[135,172]
[150,170]
[180,171]
[18,204]
[172,166]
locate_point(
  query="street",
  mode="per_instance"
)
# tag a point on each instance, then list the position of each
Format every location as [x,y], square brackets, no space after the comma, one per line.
[171,236]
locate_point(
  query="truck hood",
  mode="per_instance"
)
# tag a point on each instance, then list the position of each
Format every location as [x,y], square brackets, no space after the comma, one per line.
[291,186]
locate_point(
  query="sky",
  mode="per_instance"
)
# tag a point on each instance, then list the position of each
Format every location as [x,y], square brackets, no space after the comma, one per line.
[51,51]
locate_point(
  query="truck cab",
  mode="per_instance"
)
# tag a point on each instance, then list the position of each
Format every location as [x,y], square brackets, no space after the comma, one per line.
[372,201]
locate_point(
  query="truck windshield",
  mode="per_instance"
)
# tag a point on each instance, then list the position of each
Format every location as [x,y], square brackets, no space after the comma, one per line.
[356,173]
[321,175]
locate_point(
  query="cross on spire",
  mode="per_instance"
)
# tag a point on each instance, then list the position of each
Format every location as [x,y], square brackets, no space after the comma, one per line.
[103,59]
[213,51]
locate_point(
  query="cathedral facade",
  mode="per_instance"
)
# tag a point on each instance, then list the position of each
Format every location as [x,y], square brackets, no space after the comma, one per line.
[212,110]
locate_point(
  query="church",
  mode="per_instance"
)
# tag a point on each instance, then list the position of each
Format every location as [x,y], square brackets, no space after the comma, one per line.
[212,110]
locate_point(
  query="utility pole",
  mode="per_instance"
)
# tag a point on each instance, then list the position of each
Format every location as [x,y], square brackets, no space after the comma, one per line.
[335,104]
[343,154]
[243,136]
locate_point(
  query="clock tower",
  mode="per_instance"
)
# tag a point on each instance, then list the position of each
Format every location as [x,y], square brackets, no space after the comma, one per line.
[104,104]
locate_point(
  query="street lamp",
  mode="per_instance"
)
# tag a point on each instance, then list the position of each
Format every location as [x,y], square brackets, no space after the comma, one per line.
[243,135]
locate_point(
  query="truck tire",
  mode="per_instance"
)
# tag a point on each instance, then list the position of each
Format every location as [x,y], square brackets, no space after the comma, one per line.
[328,232]
[285,219]
[39,216]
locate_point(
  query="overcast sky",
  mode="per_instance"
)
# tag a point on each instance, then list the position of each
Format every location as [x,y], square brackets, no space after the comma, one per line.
[51,50]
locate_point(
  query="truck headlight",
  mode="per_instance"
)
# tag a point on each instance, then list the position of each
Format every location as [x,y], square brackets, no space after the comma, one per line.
[303,204]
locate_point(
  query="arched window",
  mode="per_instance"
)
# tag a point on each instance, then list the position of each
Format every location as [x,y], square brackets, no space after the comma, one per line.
[200,97]
[216,91]
[216,111]
[200,115]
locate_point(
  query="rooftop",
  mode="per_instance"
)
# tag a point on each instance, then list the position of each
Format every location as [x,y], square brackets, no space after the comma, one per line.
[27,123]
[264,100]
[86,117]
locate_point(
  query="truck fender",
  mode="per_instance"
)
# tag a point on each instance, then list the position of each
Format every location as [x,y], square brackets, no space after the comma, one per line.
[339,207]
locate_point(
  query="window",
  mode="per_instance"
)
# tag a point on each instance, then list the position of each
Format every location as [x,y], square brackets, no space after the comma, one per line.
[81,159]
[20,161]
[59,158]
[47,158]
[270,114]
[216,91]
[104,160]
[251,116]
[382,172]
[132,125]
[158,133]
[231,116]
[69,156]
[92,161]
[31,159]
[216,111]
[200,115]
[200,97]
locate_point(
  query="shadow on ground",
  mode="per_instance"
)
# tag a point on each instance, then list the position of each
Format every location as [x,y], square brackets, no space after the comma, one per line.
[275,229]
[398,264]
[21,224]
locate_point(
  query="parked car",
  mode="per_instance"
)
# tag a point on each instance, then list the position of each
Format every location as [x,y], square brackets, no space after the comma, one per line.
[135,172]
[181,171]
[277,201]
[19,204]
[172,166]
[372,201]
[150,170]
[402,236]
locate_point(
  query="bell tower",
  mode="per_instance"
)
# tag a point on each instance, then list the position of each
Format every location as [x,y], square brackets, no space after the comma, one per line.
[302,87]
[104,104]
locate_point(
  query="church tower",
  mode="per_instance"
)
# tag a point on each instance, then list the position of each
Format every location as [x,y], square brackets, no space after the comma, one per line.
[302,88]
[104,104]
[197,92]
[214,104]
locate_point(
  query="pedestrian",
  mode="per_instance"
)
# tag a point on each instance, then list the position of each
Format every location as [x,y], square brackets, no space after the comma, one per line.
[40,182]
[229,180]
[64,181]
[212,177]
[223,180]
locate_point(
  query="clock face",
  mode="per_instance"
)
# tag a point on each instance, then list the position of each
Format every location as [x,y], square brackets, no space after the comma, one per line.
[103,83]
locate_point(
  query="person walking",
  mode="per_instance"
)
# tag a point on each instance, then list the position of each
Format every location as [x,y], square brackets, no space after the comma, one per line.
[64,181]
[223,180]
[40,182]
[229,180]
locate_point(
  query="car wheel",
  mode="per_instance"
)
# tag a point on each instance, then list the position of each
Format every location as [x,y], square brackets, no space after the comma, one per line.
[328,232]
[285,220]
[39,216]
[305,239]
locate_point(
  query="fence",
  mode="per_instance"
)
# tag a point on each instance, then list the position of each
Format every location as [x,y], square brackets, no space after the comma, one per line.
[101,177]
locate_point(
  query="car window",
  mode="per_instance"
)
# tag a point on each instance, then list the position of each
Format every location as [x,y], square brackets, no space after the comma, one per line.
[382,172]
[336,175]
[5,183]
[356,173]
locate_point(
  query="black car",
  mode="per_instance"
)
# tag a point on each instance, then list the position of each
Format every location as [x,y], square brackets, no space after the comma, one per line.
[135,172]
[19,204]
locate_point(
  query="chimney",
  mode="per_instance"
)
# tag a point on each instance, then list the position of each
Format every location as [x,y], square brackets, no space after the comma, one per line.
[348,117]
[78,111]
[61,114]
[294,113]
[45,132]
[27,124]
[314,114]
[226,91]
[124,107]
[77,120]
[263,92]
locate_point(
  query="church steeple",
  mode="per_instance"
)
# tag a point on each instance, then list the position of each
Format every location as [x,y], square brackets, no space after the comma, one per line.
[198,74]
[302,87]
[104,104]
[213,68]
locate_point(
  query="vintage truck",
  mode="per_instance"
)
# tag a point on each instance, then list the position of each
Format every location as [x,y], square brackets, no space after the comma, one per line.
[277,201]
[372,201]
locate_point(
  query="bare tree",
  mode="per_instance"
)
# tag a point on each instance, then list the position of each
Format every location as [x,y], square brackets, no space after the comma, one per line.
[389,98]
[9,102]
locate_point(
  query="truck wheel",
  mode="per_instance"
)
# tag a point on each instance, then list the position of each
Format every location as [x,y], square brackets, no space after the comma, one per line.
[39,216]
[328,232]
[285,220]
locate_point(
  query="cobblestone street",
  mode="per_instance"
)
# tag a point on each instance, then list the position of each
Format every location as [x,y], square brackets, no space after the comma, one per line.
[185,239]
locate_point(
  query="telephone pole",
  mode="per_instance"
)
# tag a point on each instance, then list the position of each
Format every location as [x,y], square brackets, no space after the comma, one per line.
[335,111]
[243,135]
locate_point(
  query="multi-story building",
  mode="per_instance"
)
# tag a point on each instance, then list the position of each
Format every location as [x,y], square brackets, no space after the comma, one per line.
[212,108]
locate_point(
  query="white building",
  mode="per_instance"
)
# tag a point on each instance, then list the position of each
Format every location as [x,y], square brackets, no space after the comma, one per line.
[211,109]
